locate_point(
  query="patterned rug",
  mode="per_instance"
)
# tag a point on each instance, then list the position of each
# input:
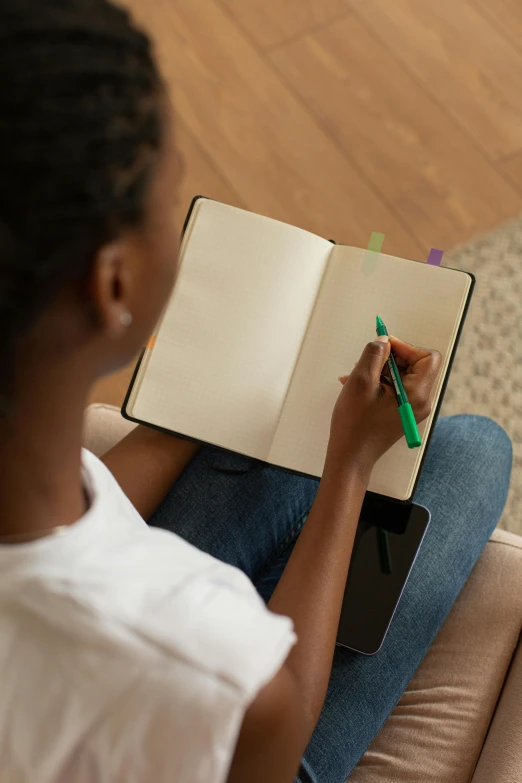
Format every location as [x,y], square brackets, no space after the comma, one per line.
[487,372]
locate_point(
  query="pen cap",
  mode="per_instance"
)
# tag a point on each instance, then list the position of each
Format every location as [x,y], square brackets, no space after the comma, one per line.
[411,432]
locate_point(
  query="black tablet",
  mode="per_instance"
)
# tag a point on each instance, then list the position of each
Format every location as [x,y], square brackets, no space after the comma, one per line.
[386,544]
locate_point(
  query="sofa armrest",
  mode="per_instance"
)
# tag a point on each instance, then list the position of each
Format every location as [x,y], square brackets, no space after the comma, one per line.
[104,426]
[444,720]
[501,757]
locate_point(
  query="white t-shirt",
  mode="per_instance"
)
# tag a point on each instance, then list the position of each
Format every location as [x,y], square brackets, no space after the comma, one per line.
[126,654]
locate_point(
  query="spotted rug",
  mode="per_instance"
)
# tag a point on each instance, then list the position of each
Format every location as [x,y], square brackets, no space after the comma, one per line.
[486,377]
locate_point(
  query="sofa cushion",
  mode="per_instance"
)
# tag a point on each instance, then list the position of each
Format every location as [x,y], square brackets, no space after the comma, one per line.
[437,730]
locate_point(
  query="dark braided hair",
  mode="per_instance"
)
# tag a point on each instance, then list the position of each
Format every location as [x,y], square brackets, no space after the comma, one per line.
[80,128]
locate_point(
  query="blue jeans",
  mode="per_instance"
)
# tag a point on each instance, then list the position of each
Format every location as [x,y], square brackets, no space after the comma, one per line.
[249,515]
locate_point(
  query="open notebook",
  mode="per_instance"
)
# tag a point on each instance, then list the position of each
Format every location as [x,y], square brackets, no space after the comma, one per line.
[263,319]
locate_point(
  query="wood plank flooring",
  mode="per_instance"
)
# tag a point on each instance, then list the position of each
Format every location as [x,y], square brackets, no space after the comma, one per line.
[347,116]
[513,168]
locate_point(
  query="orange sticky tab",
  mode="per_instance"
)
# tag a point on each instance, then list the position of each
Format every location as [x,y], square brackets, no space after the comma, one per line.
[151,342]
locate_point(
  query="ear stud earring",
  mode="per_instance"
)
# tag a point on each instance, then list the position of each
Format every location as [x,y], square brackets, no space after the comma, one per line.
[125,318]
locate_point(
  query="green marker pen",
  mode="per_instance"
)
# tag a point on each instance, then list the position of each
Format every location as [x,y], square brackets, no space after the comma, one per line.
[409,425]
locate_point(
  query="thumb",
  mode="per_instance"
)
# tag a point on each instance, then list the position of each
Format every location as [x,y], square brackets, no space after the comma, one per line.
[374,357]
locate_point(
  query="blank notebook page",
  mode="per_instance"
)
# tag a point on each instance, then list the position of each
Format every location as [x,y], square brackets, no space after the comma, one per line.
[230,336]
[419,303]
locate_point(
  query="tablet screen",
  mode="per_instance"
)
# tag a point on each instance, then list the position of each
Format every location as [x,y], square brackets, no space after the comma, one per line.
[383,555]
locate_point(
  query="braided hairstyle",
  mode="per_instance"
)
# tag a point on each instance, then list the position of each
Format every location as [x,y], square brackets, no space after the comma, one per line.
[80,129]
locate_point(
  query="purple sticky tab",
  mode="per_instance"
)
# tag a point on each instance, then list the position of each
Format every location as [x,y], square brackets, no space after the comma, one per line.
[435,257]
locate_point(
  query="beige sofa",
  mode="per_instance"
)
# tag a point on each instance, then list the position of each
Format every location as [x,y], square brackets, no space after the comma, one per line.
[461,718]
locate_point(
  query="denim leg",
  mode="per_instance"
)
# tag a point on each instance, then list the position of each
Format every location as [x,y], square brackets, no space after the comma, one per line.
[464,484]
[237,509]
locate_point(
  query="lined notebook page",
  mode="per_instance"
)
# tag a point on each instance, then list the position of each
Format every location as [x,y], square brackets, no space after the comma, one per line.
[230,336]
[419,303]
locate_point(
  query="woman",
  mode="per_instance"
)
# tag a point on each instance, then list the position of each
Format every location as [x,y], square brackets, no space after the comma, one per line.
[128,652]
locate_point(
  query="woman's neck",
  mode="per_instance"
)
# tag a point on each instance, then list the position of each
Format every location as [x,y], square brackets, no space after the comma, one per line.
[40,453]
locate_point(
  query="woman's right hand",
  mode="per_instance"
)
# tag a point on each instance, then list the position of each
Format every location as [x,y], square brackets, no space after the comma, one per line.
[365,421]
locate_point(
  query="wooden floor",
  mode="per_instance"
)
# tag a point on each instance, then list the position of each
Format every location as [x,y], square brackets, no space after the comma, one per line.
[347,116]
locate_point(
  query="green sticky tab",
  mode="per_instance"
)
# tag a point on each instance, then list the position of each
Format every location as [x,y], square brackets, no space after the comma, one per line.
[376,242]
[372,253]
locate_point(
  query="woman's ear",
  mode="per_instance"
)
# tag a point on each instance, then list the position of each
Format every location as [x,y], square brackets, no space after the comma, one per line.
[111,288]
